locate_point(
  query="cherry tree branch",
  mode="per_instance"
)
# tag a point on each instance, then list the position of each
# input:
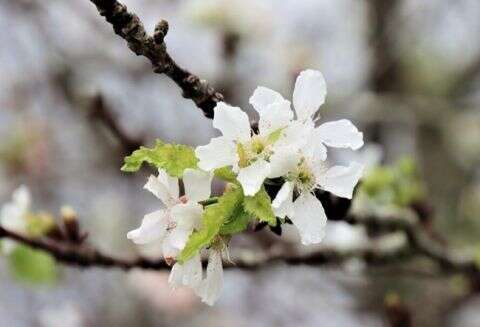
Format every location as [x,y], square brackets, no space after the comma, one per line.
[128,26]
[82,255]
[419,242]
[79,254]
[85,256]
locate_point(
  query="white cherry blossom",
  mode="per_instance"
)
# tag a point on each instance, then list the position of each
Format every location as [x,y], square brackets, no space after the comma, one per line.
[190,274]
[13,215]
[173,224]
[301,153]
[212,284]
[311,173]
[248,153]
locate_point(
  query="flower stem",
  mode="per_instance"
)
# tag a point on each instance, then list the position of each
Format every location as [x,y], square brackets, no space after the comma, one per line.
[209,201]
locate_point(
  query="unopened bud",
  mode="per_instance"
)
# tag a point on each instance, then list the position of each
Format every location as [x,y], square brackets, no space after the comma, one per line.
[68,213]
[161,30]
[70,221]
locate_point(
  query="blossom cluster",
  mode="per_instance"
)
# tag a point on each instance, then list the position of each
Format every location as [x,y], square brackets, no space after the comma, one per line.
[287,150]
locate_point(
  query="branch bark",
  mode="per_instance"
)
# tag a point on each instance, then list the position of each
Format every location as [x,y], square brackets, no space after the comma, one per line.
[418,245]
[86,256]
[128,26]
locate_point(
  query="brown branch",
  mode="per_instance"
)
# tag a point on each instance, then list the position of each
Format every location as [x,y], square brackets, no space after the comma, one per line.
[86,256]
[385,76]
[129,27]
[419,243]
[81,255]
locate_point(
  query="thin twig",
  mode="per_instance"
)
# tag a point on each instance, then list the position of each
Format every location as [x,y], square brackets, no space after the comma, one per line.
[129,27]
[419,242]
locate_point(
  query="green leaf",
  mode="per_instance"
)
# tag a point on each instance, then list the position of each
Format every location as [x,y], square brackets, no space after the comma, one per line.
[39,224]
[32,266]
[260,206]
[174,158]
[212,220]
[237,223]
[226,174]
[275,135]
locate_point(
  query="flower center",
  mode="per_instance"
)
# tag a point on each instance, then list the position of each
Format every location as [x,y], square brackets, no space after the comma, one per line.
[248,152]
[257,145]
[304,177]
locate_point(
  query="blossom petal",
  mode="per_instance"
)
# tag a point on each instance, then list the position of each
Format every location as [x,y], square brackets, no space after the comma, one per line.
[296,135]
[232,122]
[275,116]
[263,97]
[309,218]
[251,178]
[187,215]
[153,227]
[220,152]
[340,134]
[163,186]
[314,151]
[189,274]
[283,203]
[213,283]
[169,250]
[176,239]
[341,180]
[283,160]
[22,198]
[12,218]
[309,93]
[198,184]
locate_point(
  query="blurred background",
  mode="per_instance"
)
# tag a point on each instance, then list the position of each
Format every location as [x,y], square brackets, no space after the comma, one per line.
[407,72]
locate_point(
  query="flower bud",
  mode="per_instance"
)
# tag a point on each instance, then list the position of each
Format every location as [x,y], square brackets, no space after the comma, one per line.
[70,222]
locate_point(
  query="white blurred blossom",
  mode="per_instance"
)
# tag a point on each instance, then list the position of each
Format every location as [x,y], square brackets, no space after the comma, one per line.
[13,215]
[233,16]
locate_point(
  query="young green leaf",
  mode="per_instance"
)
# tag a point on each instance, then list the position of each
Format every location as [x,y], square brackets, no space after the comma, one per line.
[32,266]
[213,218]
[275,135]
[226,174]
[237,223]
[174,158]
[260,206]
